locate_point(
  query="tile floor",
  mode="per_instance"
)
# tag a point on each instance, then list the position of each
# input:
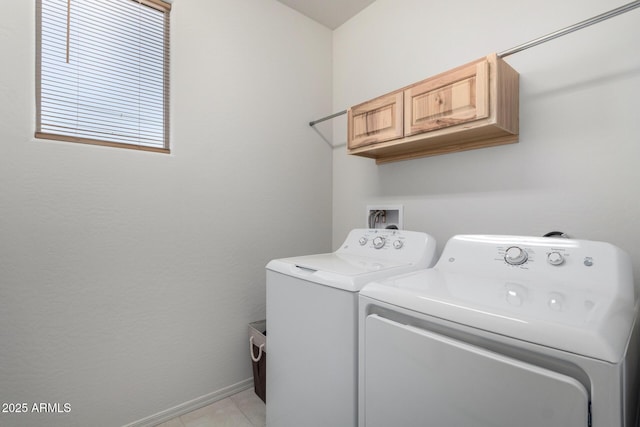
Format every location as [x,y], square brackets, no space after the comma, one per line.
[244,409]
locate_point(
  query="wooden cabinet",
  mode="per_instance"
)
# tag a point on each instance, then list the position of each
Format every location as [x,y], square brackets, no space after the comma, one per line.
[375,121]
[457,97]
[472,106]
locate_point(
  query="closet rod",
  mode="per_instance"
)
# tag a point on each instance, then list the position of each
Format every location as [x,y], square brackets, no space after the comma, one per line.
[580,25]
[332,116]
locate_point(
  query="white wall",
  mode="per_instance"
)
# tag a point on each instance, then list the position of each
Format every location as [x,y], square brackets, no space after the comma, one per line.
[575,168]
[127,279]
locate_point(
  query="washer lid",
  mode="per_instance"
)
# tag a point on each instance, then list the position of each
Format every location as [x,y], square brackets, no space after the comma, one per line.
[345,265]
[365,255]
[347,272]
[583,322]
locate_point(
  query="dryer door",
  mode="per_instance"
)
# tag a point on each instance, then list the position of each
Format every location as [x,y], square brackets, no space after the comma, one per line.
[415,377]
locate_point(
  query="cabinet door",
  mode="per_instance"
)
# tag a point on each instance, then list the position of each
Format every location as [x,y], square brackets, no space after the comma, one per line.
[375,121]
[452,98]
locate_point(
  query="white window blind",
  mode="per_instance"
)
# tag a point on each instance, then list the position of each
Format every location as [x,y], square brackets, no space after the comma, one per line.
[103,72]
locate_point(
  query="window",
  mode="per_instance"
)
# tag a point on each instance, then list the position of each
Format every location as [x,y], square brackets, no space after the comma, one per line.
[103,72]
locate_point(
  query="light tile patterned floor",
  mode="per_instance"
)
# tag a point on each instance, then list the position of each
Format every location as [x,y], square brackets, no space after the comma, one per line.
[244,409]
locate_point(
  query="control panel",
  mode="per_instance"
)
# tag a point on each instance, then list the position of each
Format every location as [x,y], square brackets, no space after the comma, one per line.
[524,255]
[538,276]
[379,241]
[392,245]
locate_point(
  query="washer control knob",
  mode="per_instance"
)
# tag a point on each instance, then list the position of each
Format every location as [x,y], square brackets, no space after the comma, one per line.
[378,242]
[515,256]
[398,244]
[363,240]
[555,258]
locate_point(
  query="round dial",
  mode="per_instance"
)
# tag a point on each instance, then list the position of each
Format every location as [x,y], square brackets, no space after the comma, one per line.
[398,244]
[363,241]
[555,258]
[515,256]
[378,242]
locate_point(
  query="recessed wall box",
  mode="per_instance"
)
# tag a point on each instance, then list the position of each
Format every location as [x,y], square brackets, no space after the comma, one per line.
[384,216]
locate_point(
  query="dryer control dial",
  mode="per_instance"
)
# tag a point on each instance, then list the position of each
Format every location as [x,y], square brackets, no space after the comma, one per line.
[398,244]
[555,258]
[378,242]
[363,240]
[515,255]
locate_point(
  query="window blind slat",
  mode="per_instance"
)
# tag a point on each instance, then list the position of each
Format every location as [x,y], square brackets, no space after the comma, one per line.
[115,86]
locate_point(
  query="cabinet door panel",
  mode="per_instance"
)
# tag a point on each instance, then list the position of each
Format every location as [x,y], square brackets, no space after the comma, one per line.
[375,121]
[449,100]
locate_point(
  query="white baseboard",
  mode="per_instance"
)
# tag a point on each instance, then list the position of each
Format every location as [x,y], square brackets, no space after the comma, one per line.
[192,405]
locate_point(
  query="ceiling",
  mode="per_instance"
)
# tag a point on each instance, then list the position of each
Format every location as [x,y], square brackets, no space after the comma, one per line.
[330,13]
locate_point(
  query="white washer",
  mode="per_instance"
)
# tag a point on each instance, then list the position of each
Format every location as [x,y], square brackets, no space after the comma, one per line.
[504,331]
[312,324]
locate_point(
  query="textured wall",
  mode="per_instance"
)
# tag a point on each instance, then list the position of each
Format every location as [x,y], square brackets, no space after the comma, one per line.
[127,279]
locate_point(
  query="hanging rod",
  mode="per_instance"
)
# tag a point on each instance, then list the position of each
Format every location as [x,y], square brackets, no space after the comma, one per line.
[332,116]
[580,25]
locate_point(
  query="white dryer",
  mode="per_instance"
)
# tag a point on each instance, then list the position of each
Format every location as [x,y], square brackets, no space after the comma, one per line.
[312,324]
[503,332]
